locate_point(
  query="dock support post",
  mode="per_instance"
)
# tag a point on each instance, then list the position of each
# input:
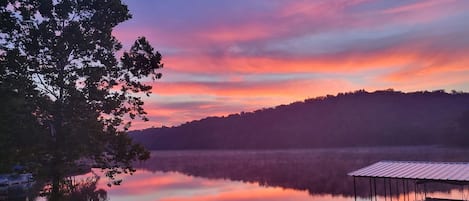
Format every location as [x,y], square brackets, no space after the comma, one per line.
[354,189]
[397,189]
[404,190]
[390,189]
[425,190]
[408,190]
[385,186]
[462,192]
[374,186]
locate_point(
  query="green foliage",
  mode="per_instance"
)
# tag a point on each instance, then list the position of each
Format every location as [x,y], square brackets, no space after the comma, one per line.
[59,57]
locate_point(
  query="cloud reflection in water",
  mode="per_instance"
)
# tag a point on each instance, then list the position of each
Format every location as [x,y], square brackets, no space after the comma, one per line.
[171,186]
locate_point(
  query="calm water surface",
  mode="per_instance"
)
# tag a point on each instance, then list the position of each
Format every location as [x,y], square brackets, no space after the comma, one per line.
[172,186]
[314,174]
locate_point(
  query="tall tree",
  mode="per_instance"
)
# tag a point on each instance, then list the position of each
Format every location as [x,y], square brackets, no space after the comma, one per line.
[62,54]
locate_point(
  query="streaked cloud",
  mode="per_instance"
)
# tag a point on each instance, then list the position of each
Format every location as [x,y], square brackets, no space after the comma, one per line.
[225,56]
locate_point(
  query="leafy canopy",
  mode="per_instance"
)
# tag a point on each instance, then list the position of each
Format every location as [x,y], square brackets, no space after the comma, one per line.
[60,56]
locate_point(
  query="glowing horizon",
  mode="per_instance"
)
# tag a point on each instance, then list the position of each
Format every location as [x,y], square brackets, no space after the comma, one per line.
[224,57]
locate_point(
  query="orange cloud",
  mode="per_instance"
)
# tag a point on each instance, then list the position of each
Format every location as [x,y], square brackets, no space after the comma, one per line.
[230,97]
[289,88]
[355,44]
[400,68]
[348,63]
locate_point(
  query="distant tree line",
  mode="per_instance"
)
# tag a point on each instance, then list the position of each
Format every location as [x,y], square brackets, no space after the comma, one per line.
[360,118]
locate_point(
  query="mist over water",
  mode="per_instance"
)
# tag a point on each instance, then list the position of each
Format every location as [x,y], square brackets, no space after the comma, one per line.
[310,174]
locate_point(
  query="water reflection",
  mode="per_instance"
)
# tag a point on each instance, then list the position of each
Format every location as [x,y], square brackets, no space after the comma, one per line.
[303,175]
[173,186]
[74,188]
[318,171]
[77,188]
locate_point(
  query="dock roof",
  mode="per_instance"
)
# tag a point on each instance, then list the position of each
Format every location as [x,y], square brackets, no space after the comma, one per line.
[443,171]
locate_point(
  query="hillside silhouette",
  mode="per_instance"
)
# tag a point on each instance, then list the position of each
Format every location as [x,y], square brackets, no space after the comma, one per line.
[360,118]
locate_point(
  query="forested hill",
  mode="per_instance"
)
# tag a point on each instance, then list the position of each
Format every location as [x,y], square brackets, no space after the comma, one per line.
[349,119]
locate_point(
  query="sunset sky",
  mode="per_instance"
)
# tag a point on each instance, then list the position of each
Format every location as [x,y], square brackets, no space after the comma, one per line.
[228,56]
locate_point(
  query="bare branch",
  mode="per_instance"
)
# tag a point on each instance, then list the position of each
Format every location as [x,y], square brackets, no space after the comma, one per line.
[44,86]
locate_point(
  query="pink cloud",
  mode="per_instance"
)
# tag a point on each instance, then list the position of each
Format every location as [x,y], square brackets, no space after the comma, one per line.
[359,44]
[232,97]
[289,88]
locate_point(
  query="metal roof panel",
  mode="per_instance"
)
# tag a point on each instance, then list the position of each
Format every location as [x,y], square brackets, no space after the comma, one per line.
[416,170]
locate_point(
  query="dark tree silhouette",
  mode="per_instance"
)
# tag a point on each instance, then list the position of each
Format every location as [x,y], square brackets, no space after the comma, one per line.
[462,135]
[78,189]
[61,54]
[381,118]
[19,131]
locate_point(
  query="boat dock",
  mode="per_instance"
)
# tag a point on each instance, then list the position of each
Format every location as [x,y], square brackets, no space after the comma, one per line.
[413,175]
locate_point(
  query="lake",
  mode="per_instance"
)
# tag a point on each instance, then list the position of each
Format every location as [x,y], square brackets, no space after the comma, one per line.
[310,174]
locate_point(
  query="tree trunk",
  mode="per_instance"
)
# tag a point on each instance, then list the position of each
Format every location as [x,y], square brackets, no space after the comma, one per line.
[55,193]
[57,163]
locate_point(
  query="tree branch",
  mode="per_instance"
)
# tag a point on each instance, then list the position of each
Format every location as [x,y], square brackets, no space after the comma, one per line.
[45,88]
